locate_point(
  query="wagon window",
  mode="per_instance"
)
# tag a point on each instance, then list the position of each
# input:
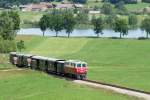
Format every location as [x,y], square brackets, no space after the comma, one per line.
[78,65]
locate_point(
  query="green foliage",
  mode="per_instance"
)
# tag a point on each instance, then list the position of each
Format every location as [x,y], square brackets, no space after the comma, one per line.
[146,26]
[110,21]
[98,24]
[133,21]
[43,23]
[20,45]
[57,22]
[82,18]
[7,45]
[6,27]
[121,25]
[120,8]
[107,8]
[9,24]
[15,18]
[69,22]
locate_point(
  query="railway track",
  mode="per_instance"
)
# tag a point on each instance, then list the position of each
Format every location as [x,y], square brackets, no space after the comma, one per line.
[118,89]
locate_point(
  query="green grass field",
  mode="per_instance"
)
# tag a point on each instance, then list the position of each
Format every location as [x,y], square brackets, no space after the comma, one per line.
[31,85]
[136,7]
[124,62]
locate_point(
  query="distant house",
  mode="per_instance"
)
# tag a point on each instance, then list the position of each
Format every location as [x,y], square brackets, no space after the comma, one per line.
[64,6]
[68,6]
[36,7]
[44,6]
[146,10]
[78,6]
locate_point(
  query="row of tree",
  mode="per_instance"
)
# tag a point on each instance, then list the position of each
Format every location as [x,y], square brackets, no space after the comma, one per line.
[57,21]
[8,3]
[120,25]
[65,20]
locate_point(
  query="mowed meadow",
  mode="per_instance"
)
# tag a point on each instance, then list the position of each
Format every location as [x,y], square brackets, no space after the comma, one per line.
[123,62]
[27,84]
[32,85]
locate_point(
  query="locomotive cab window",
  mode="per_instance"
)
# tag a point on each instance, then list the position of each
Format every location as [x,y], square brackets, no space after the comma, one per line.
[78,65]
[83,65]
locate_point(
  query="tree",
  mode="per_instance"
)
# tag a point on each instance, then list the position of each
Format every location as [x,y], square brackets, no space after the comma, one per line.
[43,23]
[110,21]
[121,25]
[9,24]
[107,8]
[133,20]
[6,27]
[82,18]
[69,22]
[20,45]
[98,24]
[16,19]
[56,21]
[146,26]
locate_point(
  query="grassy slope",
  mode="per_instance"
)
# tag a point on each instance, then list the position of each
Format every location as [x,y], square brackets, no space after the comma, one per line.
[123,62]
[28,85]
[4,62]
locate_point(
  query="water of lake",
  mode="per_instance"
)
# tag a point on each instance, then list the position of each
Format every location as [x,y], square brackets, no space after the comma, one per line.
[82,33]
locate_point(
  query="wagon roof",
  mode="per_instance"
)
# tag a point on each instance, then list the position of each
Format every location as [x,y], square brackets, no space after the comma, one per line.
[40,57]
[28,55]
[61,61]
[76,61]
[52,59]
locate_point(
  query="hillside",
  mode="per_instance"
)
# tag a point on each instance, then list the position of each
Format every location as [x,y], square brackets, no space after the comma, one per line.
[124,62]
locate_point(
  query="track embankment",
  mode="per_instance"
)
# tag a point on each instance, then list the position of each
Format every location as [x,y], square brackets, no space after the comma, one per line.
[13,69]
[117,89]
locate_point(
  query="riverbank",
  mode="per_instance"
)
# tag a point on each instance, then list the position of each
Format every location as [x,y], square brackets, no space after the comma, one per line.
[82,33]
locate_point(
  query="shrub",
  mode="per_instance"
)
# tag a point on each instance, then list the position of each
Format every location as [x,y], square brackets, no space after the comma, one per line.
[7,45]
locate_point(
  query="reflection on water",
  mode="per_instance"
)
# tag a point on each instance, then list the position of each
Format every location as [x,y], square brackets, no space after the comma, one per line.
[82,33]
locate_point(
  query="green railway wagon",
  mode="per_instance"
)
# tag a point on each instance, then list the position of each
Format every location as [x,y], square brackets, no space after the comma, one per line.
[52,63]
[19,60]
[27,58]
[39,63]
[34,62]
[43,63]
[60,67]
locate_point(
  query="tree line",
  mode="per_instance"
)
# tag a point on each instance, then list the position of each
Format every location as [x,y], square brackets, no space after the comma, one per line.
[66,20]
[8,3]
[57,21]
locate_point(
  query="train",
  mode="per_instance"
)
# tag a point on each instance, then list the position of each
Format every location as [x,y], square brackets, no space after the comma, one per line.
[70,68]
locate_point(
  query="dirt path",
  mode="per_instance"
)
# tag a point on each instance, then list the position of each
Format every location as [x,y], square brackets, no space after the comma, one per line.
[118,90]
[6,70]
